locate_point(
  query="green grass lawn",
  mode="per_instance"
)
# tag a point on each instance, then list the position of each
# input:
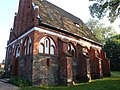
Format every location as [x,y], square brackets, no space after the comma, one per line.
[111,83]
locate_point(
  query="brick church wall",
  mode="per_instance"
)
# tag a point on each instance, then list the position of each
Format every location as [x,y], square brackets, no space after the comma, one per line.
[60,68]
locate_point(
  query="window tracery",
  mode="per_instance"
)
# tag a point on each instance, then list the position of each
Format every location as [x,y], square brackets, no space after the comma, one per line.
[47,46]
[27,46]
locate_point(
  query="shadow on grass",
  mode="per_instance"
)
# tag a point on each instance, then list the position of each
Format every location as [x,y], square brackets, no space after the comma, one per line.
[104,84]
[100,84]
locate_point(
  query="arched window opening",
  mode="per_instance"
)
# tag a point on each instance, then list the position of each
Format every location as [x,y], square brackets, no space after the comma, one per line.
[71,50]
[85,51]
[30,48]
[41,48]
[52,50]
[17,51]
[73,53]
[27,46]
[47,46]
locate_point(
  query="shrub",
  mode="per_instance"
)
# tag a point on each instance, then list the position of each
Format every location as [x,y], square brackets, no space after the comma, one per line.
[19,81]
[1,73]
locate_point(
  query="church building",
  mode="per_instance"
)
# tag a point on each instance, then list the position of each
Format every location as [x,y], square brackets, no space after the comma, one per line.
[49,46]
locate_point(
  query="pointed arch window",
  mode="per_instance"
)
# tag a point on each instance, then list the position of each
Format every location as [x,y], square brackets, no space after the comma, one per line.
[85,51]
[41,48]
[17,51]
[52,50]
[47,46]
[27,46]
[71,49]
[30,48]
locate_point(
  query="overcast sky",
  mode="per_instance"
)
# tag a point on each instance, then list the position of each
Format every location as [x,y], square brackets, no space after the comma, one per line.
[8,8]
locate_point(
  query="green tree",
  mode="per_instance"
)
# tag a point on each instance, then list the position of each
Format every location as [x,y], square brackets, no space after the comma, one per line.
[100,30]
[112,49]
[101,8]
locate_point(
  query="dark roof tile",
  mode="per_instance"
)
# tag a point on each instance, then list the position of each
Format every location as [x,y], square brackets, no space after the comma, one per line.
[58,17]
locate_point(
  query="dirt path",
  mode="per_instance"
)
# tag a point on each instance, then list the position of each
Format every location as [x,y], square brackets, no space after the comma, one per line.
[6,86]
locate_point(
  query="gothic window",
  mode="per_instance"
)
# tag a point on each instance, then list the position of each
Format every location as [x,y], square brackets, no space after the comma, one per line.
[41,48]
[85,51]
[30,48]
[17,51]
[52,50]
[27,46]
[71,50]
[47,46]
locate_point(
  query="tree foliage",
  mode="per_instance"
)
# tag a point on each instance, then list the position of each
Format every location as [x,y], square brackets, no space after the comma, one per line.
[100,30]
[112,49]
[101,8]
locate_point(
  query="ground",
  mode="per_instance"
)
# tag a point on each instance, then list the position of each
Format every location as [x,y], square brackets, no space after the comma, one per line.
[111,83]
[6,86]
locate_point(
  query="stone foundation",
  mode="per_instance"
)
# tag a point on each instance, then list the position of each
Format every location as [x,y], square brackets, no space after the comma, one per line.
[45,70]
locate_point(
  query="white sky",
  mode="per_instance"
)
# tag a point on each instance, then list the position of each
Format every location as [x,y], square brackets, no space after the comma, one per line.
[8,8]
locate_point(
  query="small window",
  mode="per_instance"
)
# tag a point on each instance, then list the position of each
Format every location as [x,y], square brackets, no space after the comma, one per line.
[77,25]
[48,62]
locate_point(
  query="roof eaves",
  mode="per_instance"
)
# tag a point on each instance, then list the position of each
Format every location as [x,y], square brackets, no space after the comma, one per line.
[73,34]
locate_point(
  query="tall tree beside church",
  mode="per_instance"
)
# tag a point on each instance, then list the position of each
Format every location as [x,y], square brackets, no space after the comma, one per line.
[100,30]
[109,8]
[112,49]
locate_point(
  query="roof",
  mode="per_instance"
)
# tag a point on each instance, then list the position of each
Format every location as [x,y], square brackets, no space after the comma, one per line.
[57,17]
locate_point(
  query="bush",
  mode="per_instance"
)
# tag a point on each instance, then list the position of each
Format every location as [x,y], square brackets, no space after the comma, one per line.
[19,81]
[1,73]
